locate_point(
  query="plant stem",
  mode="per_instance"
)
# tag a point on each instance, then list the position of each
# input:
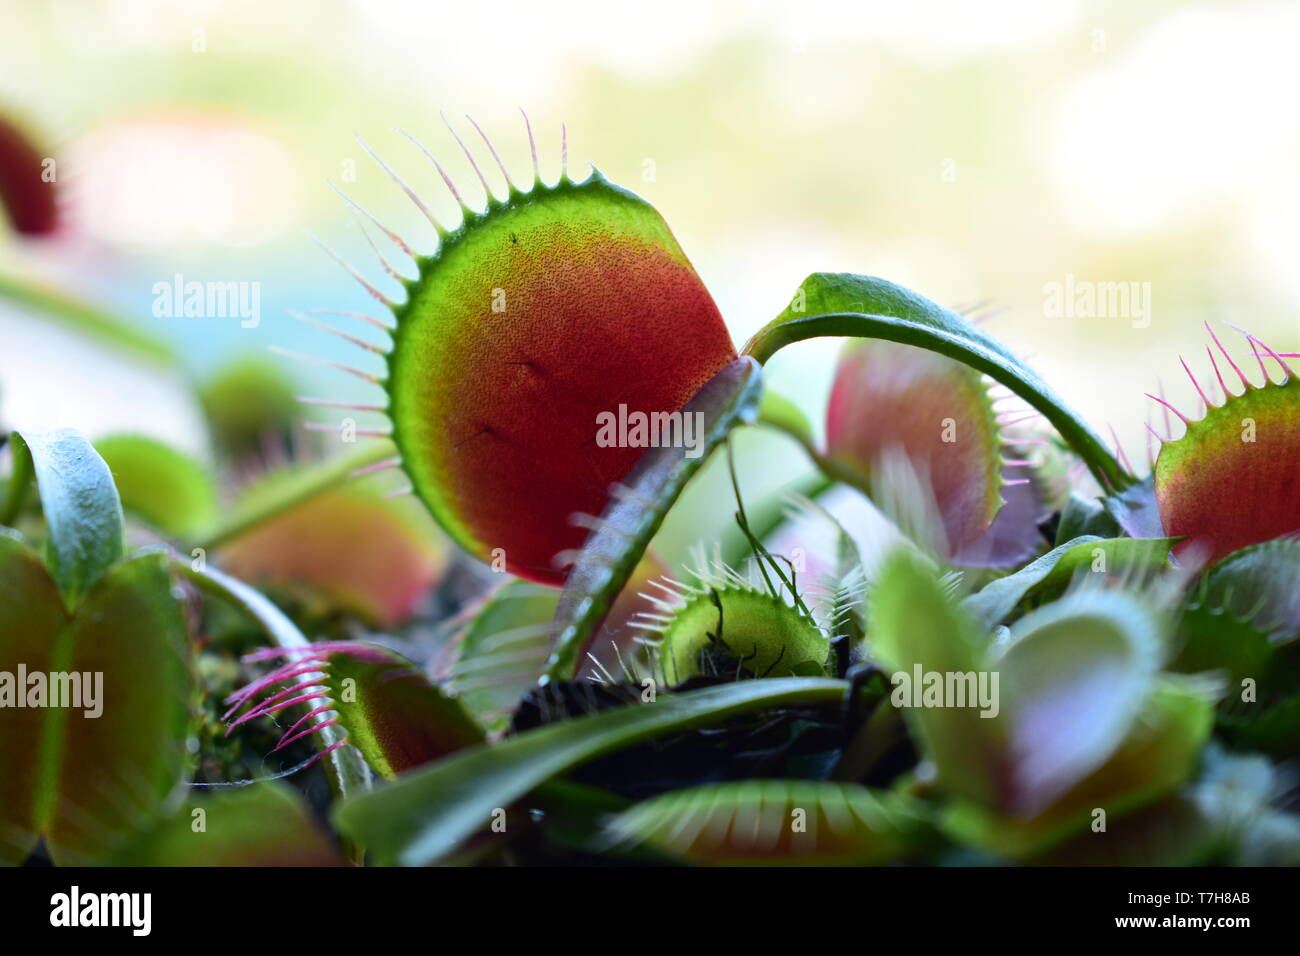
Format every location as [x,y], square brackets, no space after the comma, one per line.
[770,339]
[831,469]
[82,316]
[761,554]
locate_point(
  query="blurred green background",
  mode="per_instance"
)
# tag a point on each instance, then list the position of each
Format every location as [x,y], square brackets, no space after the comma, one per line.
[974,152]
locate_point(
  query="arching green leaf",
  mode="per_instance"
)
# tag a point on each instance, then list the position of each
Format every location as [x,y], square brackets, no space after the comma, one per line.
[843,304]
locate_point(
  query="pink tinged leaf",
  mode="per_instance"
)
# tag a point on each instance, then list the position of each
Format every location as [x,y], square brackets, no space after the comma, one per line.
[1074,676]
[1013,536]
[889,397]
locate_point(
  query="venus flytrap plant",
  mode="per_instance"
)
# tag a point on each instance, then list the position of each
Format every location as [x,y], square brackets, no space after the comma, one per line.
[1092,756]
[740,632]
[764,716]
[463,377]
